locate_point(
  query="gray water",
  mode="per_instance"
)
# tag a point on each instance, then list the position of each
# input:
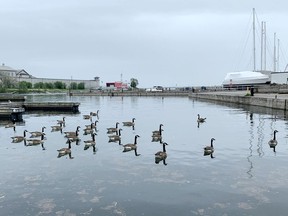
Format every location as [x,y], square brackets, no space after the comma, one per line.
[245,177]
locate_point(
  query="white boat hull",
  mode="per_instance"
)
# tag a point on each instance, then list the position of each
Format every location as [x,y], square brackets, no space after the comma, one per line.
[245,78]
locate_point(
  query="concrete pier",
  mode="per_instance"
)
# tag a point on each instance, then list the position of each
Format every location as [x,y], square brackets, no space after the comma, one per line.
[11,113]
[52,106]
[274,101]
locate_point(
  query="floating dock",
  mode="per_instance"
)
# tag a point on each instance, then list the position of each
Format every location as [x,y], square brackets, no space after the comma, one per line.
[12,107]
[52,106]
[11,113]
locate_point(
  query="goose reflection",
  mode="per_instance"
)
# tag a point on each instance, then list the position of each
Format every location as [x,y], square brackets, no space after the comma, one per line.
[116,137]
[161,155]
[209,150]
[90,143]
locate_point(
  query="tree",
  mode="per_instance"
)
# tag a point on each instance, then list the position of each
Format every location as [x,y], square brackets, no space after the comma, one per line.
[73,85]
[81,85]
[39,85]
[133,83]
[7,82]
[25,85]
[59,85]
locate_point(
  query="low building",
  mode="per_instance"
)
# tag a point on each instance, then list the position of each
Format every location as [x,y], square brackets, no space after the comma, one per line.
[22,75]
[118,85]
[279,77]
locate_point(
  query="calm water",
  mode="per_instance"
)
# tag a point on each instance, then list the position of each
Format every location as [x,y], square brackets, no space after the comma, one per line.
[245,178]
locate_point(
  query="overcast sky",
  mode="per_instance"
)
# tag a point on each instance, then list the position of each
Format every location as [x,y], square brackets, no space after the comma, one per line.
[159,42]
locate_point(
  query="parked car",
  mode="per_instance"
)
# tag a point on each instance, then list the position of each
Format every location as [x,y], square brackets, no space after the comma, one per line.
[155,89]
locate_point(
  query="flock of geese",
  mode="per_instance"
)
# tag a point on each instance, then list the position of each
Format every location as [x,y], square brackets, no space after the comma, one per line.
[114,135]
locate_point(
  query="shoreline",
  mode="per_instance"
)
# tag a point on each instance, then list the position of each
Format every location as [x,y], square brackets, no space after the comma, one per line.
[267,100]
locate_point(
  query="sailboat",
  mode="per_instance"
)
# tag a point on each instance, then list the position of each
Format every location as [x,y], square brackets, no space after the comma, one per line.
[248,78]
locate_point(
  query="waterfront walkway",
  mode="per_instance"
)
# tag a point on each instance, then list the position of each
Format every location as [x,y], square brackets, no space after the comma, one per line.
[244,93]
[269,100]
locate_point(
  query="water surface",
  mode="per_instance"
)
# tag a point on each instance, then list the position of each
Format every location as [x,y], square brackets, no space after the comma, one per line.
[245,177]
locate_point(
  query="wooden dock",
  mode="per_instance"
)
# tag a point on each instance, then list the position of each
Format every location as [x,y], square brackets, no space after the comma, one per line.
[12,113]
[12,108]
[52,106]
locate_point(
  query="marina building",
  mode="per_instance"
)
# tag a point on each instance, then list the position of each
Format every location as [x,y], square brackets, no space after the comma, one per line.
[23,75]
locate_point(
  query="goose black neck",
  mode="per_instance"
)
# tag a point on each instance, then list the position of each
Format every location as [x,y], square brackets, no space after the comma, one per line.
[274,138]
[164,148]
[135,140]
[212,142]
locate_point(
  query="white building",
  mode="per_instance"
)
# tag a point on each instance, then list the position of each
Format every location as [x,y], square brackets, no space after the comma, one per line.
[279,77]
[22,75]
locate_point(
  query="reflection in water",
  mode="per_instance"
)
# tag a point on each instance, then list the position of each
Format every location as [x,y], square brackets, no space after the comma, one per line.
[249,172]
[260,134]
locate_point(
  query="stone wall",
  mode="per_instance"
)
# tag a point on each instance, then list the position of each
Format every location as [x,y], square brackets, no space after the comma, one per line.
[274,103]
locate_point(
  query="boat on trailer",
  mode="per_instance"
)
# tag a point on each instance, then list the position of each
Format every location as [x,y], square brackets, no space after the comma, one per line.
[245,79]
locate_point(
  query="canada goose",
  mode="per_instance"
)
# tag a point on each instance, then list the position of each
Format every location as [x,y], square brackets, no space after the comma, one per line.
[11,125]
[200,119]
[88,131]
[130,147]
[157,137]
[161,155]
[113,130]
[208,150]
[65,151]
[35,142]
[94,113]
[17,139]
[117,137]
[73,138]
[273,142]
[87,116]
[72,133]
[92,125]
[129,123]
[61,121]
[158,131]
[57,127]
[37,133]
[89,143]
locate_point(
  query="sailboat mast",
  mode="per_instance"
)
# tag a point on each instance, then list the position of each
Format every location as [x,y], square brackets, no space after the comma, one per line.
[278,48]
[254,46]
[274,62]
[265,46]
[262,42]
